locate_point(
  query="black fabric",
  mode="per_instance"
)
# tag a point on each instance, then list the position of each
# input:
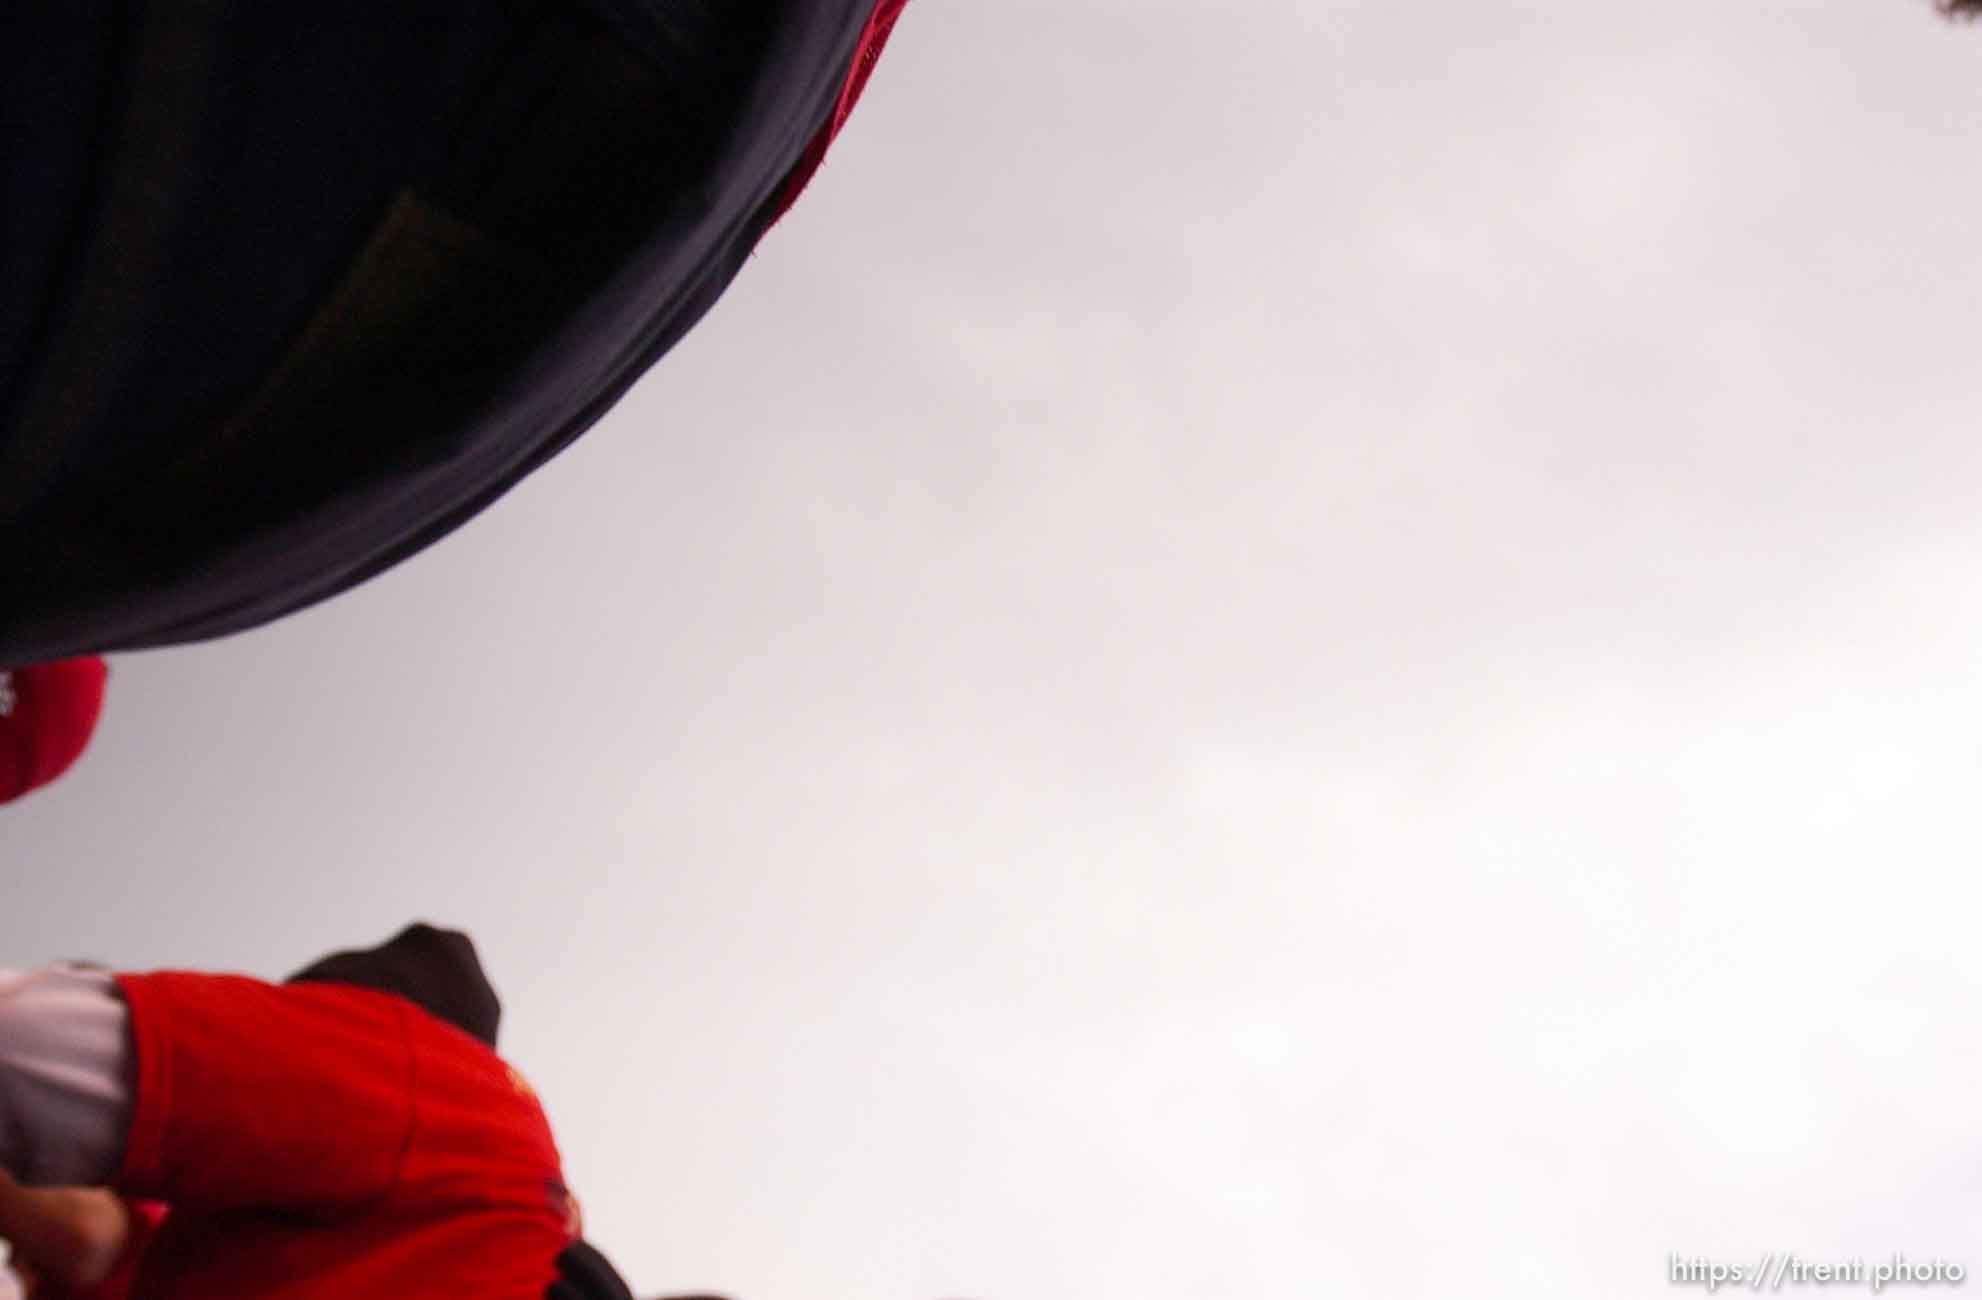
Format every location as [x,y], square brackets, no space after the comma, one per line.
[394,256]
[584,1274]
[244,161]
[436,970]
[60,80]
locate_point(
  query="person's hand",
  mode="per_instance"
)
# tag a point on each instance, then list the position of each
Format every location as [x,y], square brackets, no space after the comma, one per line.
[71,1237]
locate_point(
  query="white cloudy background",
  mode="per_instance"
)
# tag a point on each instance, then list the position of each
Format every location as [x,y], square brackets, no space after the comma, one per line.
[1306,649]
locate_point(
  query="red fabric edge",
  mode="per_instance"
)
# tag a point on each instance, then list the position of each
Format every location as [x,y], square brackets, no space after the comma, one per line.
[873,38]
[144,1147]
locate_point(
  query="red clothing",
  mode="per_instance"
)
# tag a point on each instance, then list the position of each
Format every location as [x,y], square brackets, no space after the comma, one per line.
[320,1140]
[880,25]
[47,713]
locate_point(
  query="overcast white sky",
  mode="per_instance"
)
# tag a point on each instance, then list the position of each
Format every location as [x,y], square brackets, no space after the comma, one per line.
[1320,649]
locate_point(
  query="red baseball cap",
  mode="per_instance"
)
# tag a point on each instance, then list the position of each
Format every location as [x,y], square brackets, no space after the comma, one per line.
[47,712]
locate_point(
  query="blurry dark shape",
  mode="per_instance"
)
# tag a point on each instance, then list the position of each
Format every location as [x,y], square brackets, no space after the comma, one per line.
[584,1274]
[287,293]
[48,712]
[1959,8]
[436,970]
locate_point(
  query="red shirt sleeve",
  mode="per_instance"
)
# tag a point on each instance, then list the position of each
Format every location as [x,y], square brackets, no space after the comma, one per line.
[259,1095]
[320,1141]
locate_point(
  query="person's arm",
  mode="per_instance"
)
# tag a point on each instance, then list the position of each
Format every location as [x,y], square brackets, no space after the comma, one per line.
[70,1237]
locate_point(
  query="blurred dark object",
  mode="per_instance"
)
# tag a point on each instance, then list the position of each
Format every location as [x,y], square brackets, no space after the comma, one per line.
[436,970]
[290,292]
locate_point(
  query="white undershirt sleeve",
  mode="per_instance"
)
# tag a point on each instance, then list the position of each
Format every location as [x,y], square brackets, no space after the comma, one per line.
[66,1075]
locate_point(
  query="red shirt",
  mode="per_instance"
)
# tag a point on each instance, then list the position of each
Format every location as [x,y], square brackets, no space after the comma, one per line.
[319,1140]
